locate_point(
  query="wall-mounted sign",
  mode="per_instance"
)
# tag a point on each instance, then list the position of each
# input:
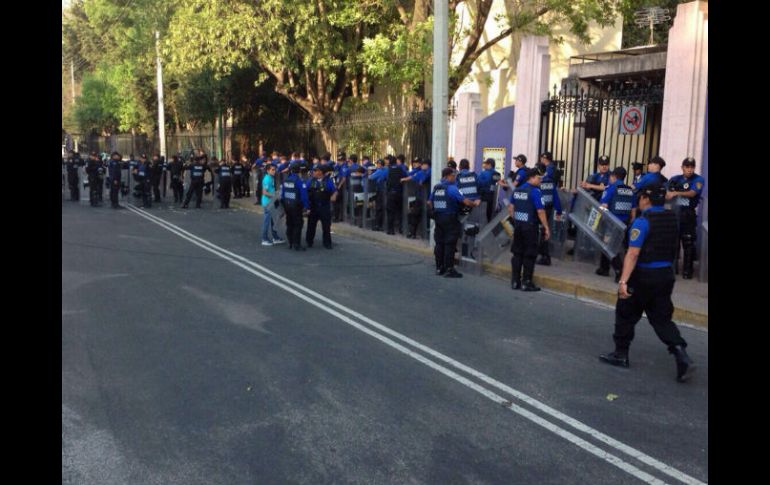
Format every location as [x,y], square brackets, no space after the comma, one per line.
[632,120]
[495,153]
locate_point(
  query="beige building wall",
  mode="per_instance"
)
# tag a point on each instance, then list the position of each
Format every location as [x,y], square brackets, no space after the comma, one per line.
[494,72]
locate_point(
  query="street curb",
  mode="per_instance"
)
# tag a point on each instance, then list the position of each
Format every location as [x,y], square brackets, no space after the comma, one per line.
[566,287]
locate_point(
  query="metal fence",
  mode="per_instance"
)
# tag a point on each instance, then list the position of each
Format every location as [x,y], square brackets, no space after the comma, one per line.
[581,123]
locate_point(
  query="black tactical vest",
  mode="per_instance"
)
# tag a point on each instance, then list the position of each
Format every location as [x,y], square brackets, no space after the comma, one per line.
[395,174]
[661,241]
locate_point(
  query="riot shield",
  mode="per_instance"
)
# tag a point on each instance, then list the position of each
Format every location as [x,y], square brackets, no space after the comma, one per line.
[596,226]
[494,239]
[357,199]
[472,223]
[369,194]
[83,181]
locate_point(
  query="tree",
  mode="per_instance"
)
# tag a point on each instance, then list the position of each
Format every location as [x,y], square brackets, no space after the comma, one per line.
[96,105]
[311,49]
[407,47]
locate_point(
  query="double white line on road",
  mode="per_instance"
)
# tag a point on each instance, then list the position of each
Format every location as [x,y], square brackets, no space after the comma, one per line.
[384,334]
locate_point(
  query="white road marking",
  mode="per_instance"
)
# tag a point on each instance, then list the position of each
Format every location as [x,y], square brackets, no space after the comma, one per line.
[250,266]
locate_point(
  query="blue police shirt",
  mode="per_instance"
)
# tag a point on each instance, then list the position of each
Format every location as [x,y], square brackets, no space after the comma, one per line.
[299,185]
[520,176]
[647,179]
[696,183]
[379,176]
[607,195]
[537,197]
[637,233]
[452,192]
[421,176]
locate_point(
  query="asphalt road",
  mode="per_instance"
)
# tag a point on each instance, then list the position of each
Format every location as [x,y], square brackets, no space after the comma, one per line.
[193,355]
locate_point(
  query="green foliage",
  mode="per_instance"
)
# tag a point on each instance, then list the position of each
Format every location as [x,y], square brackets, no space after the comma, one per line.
[95,108]
[633,35]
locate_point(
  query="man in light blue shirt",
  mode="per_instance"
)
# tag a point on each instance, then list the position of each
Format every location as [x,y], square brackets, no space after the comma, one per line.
[268,204]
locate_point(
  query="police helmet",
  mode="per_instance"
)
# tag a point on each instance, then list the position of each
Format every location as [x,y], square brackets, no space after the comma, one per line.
[604,160]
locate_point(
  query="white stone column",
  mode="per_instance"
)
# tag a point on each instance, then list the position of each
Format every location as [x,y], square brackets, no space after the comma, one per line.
[462,136]
[684,96]
[532,73]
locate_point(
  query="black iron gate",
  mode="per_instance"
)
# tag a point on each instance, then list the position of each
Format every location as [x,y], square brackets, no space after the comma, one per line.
[582,122]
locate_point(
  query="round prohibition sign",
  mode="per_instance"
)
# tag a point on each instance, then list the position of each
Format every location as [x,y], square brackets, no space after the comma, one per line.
[632,120]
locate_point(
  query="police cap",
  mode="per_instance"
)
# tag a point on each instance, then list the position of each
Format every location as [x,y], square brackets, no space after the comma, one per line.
[688,162]
[637,165]
[451,164]
[521,158]
[604,160]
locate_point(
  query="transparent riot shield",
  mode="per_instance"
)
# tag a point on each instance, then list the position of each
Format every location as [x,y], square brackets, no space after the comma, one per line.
[413,202]
[596,226]
[471,224]
[84,186]
[369,194]
[125,175]
[703,260]
[494,239]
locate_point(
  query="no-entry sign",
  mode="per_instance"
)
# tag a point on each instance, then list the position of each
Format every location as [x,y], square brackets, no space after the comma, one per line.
[632,120]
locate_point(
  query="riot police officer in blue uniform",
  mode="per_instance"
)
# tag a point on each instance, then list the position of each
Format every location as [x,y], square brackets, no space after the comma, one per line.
[619,199]
[599,180]
[488,180]
[197,170]
[294,199]
[526,209]
[638,168]
[445,201]
[551,202]
[395,193]
[237,171]
[647,282]
[653,175]
[321,192]
[73,164]
[687,188]
[156,175]
[175,168]
[142,177]
[468,181]
[379,177]
[224,170]
[114,173]
[95,182]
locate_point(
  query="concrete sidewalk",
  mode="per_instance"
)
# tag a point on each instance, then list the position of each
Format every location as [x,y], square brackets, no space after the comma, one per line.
[563,276]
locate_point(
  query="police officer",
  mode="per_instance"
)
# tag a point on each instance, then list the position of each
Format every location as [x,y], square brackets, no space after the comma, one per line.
[526,209]
[238,179]
[598,180]
[395,193]
[294,199]
[445,201]
[551,202]
[197,171]
[340,178]
[114,172]
[468,181]
[94,181]
[246,177]
[488,180]
[225,184]
[638,167]
[619,199]
[73,164]
[321,191]
[422,178]
[686,188]
[379,176]
[647,281]
[175,168]
[142,177]
[653,175]
[156,174]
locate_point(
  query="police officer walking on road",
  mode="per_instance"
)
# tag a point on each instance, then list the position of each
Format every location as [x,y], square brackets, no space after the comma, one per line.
[238,179]
[94,183]
[445,201]
[156,174]
[197,170]
[687,188]
[114,172]
[175,168]
[321,192]
[526,209]
[647,282]
[142,177]
[294,199]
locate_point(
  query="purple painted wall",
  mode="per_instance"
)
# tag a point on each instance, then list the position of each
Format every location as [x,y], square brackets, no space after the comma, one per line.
[705,162]
[496,130]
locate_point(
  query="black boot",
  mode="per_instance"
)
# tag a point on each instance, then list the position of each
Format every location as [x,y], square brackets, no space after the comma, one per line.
[527,285]
[516,284]
[684,365]
[618,358]
[452,273]
[687,263]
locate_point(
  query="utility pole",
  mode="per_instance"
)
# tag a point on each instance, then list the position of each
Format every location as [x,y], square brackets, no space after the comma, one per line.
[72,87]
[440,93]
[161,112]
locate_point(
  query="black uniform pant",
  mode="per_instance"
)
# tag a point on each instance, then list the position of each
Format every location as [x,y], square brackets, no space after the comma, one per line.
[93,189]
[447,232]
[74,184]
[651,294]
[617,261]
[379,209]
[342,198]
[524,249]
[415,215]
[245,180]
[156,188]
[687,233]
[146,188]
[177,187]
[395,208]
[543,247]
[225,188]
[321,213]
[114,189]
[489,198]
[196,185]
[294,223]
[238,186]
